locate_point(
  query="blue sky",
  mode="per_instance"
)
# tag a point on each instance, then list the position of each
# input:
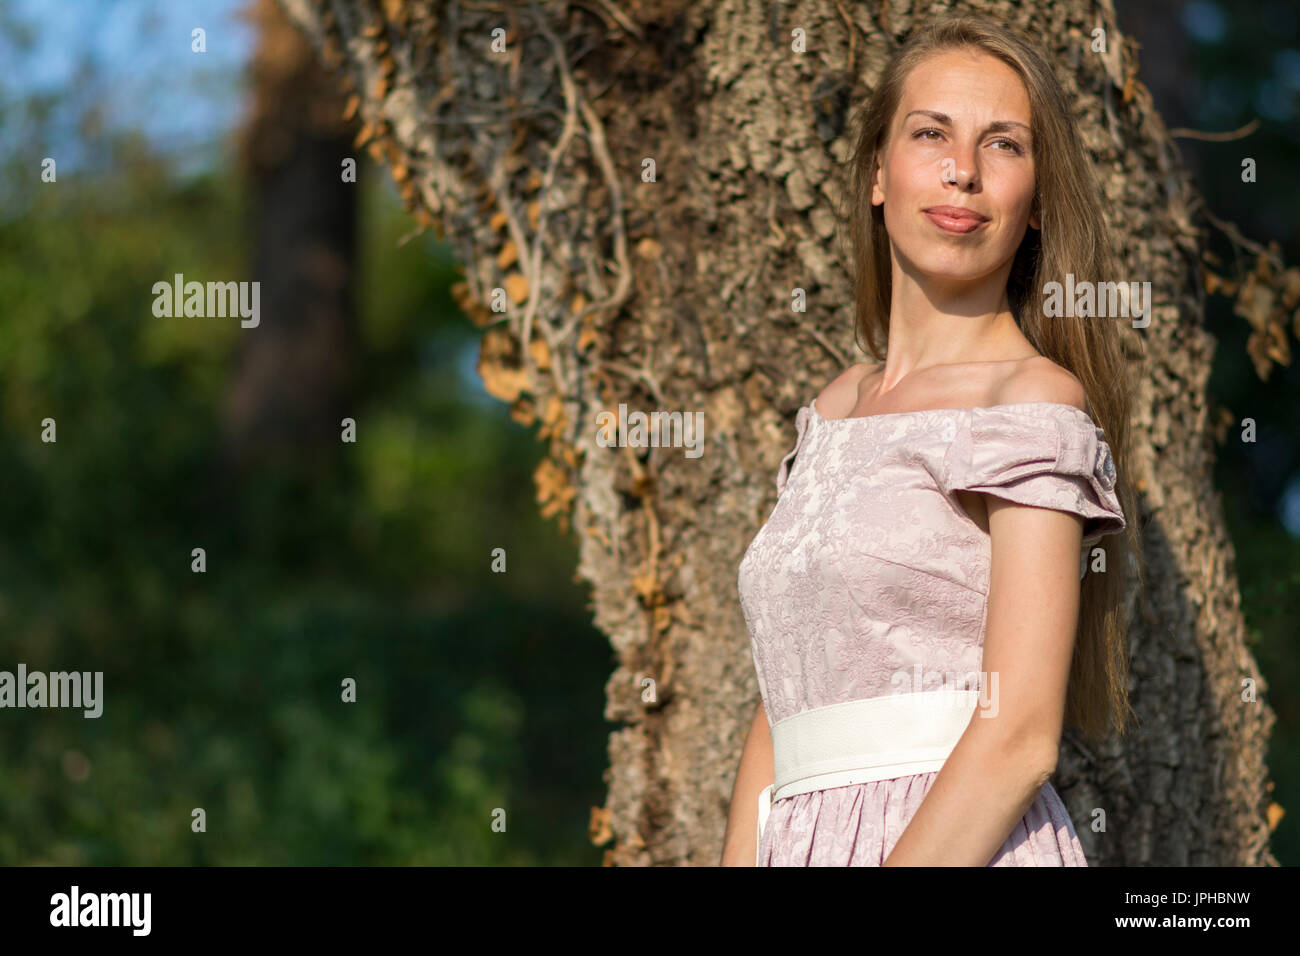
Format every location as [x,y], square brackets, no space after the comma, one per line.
[135,56]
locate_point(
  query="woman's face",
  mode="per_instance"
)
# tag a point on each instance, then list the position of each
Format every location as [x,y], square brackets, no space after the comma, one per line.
[960,139]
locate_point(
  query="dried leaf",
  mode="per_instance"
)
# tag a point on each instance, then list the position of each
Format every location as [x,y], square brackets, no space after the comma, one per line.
[1291,287]
[588,337]
[499,367]
[508,255]
[554,491]
[649,249]
[1264,266]
[554,421]
[541,353]
[395,12]
[1279,349]
[1130,85]
[598,827]
[1257,349]
[517,288]
[478,313]
[1255,303]
[523,412]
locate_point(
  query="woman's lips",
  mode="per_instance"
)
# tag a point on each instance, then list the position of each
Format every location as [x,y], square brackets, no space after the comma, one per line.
[954,220]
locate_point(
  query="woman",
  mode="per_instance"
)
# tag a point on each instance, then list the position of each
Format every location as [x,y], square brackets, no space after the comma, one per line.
[941,528]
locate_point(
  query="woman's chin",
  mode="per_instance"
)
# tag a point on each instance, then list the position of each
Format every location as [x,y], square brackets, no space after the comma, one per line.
[950,273]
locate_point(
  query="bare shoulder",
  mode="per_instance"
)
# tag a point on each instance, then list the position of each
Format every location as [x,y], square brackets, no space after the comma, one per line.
[1039,379]
[841,396]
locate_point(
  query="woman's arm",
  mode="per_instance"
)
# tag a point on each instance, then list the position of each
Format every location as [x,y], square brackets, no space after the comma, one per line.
[1002,761]
[756,772]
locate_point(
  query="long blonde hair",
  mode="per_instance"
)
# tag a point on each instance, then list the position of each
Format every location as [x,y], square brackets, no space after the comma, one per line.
[1074,238]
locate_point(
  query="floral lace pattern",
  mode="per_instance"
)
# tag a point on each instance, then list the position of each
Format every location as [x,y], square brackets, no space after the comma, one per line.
[869,578]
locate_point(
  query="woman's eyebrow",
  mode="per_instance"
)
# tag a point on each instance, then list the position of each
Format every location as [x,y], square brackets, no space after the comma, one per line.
[1001,126]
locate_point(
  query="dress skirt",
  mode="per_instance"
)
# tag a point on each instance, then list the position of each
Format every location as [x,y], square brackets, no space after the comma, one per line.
[859,825]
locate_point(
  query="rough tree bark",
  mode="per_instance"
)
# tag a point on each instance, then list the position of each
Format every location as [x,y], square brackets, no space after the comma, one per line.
[528,149]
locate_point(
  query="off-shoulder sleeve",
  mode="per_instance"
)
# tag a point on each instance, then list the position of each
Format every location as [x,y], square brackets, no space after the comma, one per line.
[801,427]
[1040,454]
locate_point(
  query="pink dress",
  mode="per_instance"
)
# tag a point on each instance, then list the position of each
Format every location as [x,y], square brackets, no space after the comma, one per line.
[868,568]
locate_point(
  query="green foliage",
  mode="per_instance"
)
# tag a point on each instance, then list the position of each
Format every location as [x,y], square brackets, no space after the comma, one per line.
[222,690]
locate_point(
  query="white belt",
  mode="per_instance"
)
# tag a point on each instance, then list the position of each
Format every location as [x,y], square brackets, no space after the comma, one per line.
[859,741]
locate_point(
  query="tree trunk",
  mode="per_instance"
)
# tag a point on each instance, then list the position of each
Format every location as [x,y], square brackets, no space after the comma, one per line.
[290,390]
[674,293]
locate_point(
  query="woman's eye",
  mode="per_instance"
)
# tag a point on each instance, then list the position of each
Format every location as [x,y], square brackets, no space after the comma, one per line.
[1010,144]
